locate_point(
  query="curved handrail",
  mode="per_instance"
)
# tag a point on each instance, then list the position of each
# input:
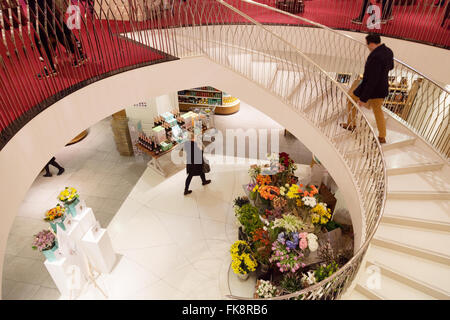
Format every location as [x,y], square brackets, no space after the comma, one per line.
[413,117]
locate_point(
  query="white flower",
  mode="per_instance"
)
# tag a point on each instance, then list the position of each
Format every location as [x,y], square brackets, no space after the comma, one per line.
[309,201]
[309,277]
[313,245]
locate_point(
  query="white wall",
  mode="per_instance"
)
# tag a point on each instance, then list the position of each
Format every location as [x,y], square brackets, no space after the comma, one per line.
[25,155]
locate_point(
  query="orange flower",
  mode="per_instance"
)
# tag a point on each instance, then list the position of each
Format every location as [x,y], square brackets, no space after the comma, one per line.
[263,180]
[269,192]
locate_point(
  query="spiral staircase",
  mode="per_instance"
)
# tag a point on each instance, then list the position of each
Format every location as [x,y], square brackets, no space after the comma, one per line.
[403,186]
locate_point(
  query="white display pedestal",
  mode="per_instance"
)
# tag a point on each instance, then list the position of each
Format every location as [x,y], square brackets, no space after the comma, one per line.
[86,219]
[75,231]
[99,250]
[67,276]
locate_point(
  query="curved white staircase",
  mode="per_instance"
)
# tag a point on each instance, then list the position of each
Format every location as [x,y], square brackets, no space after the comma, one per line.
[411,248]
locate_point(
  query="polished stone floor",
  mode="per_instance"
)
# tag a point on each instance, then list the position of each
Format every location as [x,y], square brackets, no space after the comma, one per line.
[172,246]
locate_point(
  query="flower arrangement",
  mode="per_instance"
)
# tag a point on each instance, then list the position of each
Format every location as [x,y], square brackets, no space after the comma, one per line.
[254,171]
[325,270]
[263,180]
[248,217]
[320,214]
[242,258]
[44,240]
[269,192]
[281,229]
[68,195]
[54,213]
[289,222]
[265,289]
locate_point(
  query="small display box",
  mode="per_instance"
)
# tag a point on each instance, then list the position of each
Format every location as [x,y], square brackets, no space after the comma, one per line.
[167,116]
[159,133]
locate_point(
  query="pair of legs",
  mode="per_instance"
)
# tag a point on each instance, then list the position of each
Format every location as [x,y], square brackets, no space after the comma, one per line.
[64,36]
[386,13]
[188,182]
[375,105]
[56,165]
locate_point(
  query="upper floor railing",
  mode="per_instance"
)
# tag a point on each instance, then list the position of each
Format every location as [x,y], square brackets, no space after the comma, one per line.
[425,21]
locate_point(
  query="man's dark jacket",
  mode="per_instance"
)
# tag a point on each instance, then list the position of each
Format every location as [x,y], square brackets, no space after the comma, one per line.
[194,158]
[375,80]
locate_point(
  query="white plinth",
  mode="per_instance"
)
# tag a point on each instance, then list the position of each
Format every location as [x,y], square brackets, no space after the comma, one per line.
[67,276]
[99,250]
[75,231]
[86,219]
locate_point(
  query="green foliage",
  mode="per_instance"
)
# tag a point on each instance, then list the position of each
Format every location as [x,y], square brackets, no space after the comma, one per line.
[291,283]
[248,216]
[324,271]
[331,225]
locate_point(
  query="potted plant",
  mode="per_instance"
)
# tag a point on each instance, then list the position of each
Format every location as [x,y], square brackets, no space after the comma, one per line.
[56,216]
[45,242]
[239,202]
[265,289]
[69,196]
[242,259]
[248,217]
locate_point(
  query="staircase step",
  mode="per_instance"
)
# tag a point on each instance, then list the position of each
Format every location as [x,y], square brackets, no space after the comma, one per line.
[366,292]
[388,288]
[416,223]
[417,195]
[241,63]
[422,242]
[432,166]
[436,211]
[410,155]
[357,294]
[285,81]
[428,276]
[389,145]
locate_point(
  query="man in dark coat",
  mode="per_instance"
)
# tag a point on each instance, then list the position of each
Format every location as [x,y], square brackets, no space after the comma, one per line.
[374,86]
[194,163]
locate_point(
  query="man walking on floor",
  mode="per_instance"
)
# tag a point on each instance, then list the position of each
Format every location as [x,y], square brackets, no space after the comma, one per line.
[374,86]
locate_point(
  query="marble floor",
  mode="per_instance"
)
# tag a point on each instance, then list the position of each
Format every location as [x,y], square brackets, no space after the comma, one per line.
[170,246]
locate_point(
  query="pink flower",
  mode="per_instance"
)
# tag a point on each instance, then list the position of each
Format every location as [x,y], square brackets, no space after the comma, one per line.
[293,270]
[281,269]
[303,265]
[303,235]
[278,264]
[303,244]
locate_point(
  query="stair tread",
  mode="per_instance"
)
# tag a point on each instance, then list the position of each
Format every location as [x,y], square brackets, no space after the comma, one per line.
[427,240]
[392,289]
[285,81]
[264,71]
[357,295]
[429,272]
[430,210]
[426,181]
[409,155]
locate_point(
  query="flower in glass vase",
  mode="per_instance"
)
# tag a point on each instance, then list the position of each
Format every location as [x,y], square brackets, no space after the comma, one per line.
[44,240]
[68,195]
[254,171]
[54,213]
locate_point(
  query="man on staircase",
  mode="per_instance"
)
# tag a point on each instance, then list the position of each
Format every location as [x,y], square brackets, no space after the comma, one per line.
[374,87]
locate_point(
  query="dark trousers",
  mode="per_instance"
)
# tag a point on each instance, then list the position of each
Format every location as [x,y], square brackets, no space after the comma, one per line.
[65,37]
[189,178]
[53,163]
[386,9]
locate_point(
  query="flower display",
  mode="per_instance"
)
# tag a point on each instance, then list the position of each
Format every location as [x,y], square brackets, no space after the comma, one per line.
[279,202]
[309,201]
[269,192]
[44,240]
[265,289]
[308,279]
[242,258]
[294,191]
[54,213]
[254,171]
[285,253]
[281,228]
[320,214]
[289,223]
[263,180]
[68,195]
